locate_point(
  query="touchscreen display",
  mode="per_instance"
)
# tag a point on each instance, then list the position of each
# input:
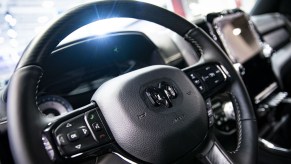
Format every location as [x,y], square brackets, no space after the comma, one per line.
[237,36]
[243,46]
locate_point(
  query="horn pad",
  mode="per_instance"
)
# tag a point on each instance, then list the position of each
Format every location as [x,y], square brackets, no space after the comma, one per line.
[154,113]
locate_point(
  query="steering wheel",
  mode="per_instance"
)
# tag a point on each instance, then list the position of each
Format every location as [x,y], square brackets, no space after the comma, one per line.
[158,114]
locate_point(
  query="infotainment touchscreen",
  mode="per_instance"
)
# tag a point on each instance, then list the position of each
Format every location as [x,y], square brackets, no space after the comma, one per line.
[237,36]
[243,46]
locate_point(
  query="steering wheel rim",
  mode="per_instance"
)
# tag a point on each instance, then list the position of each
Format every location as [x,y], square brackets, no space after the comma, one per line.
[23,87]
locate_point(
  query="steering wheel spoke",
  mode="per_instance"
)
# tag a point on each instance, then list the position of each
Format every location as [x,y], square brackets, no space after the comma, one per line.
[214,153]
[80,133]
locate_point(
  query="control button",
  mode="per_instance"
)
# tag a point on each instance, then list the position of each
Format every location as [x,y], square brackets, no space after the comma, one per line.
[192,76]
[92,116]
[211,74]
[197,82]
[201,88]
[79,146]
[62,140]
[207,68]
[96,126]
[217,81]
[205,78]
[73,136]
[208,104]
[211,121]
[68,125]
[102,137]
[210,113]
[84,131]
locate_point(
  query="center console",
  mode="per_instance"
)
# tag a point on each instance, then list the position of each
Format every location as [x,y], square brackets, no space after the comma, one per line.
[236,34]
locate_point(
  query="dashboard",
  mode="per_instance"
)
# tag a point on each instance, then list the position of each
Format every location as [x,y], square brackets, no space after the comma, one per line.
[93,61]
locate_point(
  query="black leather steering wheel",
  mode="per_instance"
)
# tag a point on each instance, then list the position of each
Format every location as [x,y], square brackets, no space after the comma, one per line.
[153,115]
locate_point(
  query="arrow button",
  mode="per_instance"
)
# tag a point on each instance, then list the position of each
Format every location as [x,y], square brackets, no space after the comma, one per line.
[78,146]
[84,131]
[68,125]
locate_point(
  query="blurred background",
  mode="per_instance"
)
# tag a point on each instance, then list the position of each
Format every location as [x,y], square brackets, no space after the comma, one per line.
[21,20]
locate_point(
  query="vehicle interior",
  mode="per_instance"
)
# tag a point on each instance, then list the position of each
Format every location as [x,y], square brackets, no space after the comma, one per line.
[165,87]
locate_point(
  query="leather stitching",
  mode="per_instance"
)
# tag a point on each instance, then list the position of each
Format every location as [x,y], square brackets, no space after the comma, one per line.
[194,42]
[239,126]
[36,90]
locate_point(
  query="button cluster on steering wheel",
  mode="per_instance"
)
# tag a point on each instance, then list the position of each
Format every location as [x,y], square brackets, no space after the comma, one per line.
[80,133]
[206,77]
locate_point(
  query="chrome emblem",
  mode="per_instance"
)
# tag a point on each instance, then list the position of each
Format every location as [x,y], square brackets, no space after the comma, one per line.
[163,94]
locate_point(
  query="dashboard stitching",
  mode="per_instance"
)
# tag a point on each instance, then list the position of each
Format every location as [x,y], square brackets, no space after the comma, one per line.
[36,90]
[238,125]
[194,42]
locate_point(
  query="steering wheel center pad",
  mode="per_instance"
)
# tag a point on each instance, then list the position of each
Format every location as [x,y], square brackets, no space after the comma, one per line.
[154,133]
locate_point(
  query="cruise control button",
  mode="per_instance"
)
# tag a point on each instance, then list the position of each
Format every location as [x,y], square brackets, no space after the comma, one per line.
[73,136]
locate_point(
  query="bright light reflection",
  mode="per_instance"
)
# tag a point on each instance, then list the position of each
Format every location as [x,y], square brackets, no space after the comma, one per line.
[154,2]
[8,17]
[12,33]
[236,31]
[48,4]
[98,28]
[13,43]
[12,22]
[38,29]
[2,40]
[42,19]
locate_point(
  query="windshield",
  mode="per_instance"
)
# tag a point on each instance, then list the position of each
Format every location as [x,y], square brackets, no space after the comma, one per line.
[21,20]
